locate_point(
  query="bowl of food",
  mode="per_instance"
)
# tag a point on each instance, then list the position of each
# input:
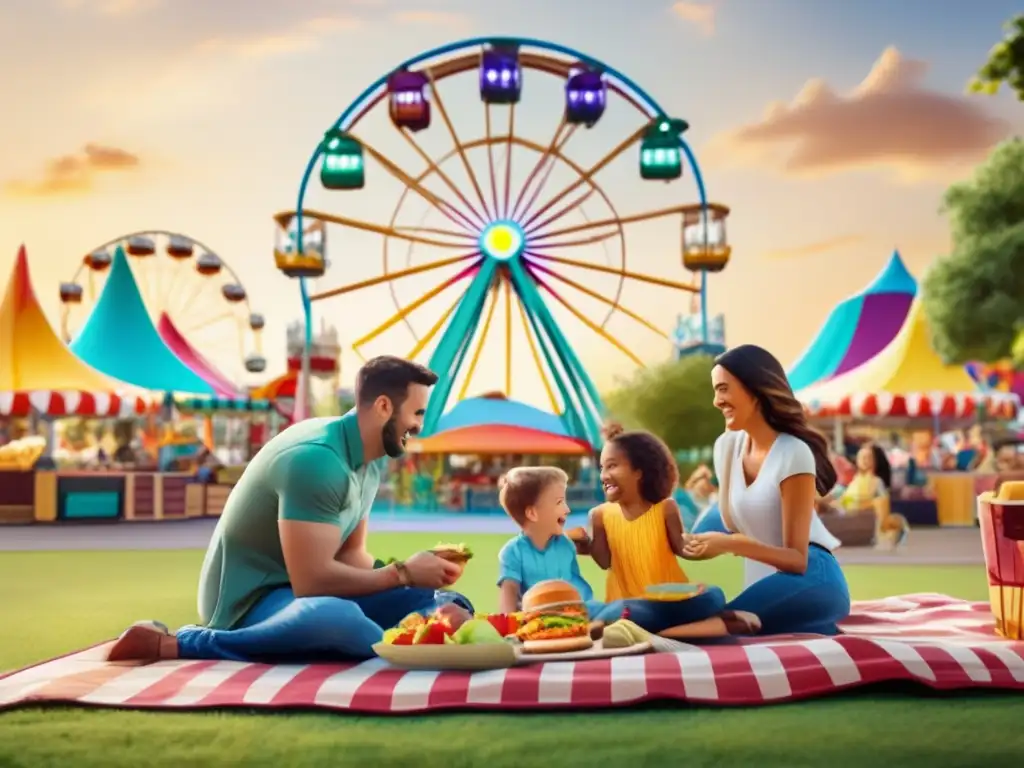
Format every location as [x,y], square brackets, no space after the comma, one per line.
[554,619]
[430,642]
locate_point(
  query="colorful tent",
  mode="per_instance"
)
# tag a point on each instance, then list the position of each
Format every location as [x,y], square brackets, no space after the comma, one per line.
[38,372]
[119,339]
[499,426]
[906,380]
[858,328]
[191,357]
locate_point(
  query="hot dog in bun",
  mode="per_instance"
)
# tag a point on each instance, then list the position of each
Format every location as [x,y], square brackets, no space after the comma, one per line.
[554,619]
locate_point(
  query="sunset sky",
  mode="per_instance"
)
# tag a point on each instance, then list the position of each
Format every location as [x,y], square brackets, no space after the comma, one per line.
[831,130]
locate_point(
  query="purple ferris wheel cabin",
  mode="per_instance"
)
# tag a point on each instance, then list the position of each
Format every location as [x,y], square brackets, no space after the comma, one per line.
[586,94]
[408,104]
[500,75]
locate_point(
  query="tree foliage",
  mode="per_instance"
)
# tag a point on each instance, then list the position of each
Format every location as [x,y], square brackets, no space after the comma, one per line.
[974,297]
[1005,62]
[673,400]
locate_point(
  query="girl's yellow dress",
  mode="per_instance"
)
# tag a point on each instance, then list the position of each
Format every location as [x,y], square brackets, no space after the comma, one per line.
[641,553]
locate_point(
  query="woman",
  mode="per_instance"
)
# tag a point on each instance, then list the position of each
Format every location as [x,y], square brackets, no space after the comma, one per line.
[770,466]
[871,482]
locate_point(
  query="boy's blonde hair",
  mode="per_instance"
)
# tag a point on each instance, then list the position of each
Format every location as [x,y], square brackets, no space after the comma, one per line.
[520,488]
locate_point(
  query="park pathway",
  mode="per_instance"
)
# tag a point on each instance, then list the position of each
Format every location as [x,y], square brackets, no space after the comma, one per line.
[927,546]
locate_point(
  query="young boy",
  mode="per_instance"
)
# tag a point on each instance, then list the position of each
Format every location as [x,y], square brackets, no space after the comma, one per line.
[535,498]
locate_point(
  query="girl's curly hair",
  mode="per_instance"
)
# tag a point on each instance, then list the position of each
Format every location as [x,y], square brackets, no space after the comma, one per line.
[646,453]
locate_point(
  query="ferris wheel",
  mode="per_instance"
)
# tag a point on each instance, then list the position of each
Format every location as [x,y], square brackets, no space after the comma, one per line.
[193,297]
[505,218]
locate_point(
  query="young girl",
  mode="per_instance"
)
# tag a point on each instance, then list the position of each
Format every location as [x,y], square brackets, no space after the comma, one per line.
[638,535]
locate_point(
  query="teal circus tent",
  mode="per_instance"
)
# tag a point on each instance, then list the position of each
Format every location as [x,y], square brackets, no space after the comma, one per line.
[858,328]
[120,340]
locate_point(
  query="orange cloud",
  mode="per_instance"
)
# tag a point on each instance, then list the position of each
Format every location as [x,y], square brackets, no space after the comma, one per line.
[431,18]
[298,37]
[75,173]
[701,15]
[111,7]
[890,120]
[815,248]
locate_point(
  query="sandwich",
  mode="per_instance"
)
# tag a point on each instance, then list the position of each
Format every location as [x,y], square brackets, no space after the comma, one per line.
[460,554]
[554,619]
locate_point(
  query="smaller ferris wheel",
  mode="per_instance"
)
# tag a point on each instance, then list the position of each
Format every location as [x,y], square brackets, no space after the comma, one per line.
[191,294]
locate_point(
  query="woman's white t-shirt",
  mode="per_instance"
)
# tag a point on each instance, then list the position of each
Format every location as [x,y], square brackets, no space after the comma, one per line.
[756,510]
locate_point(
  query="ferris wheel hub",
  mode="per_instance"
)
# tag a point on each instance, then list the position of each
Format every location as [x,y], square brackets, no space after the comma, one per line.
[502,240]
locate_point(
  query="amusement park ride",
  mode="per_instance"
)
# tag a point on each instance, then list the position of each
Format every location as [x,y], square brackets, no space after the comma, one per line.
[195,298]
[509,246]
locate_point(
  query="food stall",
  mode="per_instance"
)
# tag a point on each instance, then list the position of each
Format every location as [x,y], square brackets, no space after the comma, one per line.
[907,386]
[41,381]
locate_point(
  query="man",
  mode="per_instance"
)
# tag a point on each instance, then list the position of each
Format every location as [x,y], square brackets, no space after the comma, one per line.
[287,573]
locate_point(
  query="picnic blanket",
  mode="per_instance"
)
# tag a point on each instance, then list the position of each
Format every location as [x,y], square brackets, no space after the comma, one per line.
[935,640]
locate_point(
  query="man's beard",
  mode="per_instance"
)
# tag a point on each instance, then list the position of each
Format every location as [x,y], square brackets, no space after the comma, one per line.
[393,445]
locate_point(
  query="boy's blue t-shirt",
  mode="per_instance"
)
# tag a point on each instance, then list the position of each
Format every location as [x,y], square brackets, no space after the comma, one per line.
[520,561]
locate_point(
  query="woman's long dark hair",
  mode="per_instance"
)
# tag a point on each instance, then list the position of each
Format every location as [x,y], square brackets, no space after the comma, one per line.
[765,379]
[883,469]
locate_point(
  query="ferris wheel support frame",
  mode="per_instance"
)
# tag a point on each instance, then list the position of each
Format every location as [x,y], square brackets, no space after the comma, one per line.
[453,347]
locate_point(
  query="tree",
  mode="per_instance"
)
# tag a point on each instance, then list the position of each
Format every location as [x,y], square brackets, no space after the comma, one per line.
[974,297]
[673,400]
[1005,62]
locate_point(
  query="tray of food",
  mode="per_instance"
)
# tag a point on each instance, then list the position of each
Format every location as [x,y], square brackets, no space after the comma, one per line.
[432,643]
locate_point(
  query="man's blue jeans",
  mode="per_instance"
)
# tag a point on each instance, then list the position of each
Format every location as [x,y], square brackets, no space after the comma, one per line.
[282,627]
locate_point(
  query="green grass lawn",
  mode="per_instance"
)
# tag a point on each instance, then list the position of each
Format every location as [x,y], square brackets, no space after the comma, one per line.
[55,602]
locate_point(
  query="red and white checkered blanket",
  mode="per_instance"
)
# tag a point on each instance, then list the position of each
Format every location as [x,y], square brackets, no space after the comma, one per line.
[935,640]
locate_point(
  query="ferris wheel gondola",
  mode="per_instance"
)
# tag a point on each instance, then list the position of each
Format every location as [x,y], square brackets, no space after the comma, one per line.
[187,288]
[503,243]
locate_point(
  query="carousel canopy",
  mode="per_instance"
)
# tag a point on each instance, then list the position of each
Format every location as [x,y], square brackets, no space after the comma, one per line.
[119,339]
[38,372]
[499,426]
[907,379]
[858,328]
[191,357]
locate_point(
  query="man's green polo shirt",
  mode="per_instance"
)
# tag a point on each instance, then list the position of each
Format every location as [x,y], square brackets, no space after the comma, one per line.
[312,472]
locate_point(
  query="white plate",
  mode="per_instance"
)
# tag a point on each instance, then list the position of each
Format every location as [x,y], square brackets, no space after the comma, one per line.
[449,656]
[597,651]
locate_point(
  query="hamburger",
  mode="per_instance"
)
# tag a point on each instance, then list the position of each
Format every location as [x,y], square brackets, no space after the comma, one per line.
[554,619]
[460,554]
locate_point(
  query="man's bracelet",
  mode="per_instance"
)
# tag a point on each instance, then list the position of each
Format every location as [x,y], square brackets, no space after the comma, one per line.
[403,573]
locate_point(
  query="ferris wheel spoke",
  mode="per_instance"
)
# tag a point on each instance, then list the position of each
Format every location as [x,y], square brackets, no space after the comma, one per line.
[465,236]
[419,269]
[407,310]
[586,176]
[369,226]
[207,322]
[565,211]
[592,240]
[534,267]
[434,167]
[490,157]
[586,320]
[439,102]
[632,218]
[545,162]
[643,278]
[443,206]
[535,353]
[493,302]
[528,292]
[507,285]
[575,410]
[508,159]
[434,330]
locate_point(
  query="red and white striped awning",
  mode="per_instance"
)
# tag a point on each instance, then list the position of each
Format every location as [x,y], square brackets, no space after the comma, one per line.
[53,403]
[925,405]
